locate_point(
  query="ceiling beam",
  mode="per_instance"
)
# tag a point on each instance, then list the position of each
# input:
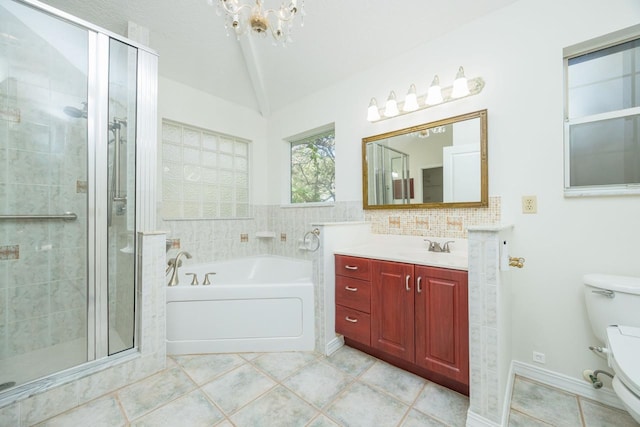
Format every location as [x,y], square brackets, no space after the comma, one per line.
[255,73]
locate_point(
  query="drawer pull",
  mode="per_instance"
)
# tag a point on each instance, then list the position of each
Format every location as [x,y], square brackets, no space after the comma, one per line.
[406,282]
[350,289]
[351,267]
[349,319]
[419,284]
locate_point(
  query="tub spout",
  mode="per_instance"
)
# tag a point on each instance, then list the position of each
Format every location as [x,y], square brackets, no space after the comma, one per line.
[175,263]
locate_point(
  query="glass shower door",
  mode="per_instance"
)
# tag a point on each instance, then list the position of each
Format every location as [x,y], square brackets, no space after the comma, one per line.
[43,194]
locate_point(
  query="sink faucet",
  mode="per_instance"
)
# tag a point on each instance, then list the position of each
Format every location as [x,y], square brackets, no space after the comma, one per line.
[436,247]
[175,263]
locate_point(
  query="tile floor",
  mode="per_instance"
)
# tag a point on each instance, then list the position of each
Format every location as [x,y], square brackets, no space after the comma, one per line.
[538,405]
[349,388]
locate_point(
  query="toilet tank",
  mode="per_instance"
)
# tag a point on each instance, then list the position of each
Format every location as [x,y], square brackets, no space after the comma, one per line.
[611,300]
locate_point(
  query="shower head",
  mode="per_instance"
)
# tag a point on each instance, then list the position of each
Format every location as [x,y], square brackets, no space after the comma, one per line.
[75,112]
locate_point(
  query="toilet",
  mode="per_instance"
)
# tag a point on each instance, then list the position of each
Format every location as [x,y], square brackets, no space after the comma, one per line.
[613,307]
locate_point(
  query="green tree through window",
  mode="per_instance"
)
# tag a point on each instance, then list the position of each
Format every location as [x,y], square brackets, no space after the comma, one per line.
[313,168]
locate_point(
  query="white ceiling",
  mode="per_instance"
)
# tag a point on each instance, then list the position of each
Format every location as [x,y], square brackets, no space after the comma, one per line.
[339,39]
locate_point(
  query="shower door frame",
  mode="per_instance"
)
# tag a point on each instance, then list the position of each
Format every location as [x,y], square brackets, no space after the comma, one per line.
[98,357]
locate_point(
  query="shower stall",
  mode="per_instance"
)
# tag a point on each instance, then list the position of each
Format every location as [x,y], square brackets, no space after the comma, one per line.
[389,181]
[69,107]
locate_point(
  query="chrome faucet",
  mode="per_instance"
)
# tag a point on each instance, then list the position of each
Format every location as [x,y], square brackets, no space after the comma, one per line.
[175,263]
[436,247]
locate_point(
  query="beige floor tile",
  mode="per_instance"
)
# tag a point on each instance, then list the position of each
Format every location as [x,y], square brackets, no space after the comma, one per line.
[277,408]
[237,388]
[363,406]
[443,404]
[318,383]
[193,409]
[545,403]
[403,385]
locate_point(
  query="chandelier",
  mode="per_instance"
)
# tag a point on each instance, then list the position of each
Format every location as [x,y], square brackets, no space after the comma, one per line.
[242,16]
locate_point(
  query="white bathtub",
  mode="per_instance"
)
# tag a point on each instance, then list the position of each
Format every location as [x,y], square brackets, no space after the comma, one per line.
[254,304]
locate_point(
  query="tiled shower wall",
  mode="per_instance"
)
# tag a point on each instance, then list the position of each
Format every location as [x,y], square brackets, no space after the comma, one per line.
[210,240]
[42,171]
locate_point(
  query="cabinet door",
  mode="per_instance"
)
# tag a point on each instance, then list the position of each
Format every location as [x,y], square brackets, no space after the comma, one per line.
[392,297]
[442,322]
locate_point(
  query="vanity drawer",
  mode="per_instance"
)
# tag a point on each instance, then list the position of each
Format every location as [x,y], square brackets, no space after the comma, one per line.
[353,324]
[353,293]
[358,268]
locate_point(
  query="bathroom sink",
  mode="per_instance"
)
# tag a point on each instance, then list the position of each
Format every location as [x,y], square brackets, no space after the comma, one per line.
[438,259]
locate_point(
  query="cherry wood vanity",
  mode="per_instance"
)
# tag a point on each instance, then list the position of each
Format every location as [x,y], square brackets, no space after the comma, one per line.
[412,316]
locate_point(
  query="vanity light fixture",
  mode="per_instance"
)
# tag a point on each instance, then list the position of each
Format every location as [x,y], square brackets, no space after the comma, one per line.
[460,85]
[461,88]
[411,100]
[242,16]
[434,94]
[391,107]
[373,114]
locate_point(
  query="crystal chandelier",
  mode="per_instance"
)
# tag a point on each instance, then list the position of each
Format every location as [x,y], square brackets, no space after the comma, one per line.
[244,15]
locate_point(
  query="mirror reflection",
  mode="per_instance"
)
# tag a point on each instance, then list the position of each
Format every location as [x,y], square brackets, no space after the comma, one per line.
[439,164]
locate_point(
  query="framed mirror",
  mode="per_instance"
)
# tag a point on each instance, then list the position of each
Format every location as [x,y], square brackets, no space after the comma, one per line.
[434,165]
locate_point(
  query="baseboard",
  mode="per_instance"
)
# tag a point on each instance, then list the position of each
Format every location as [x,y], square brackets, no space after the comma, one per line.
[566,383]
[333,345]
[475,420]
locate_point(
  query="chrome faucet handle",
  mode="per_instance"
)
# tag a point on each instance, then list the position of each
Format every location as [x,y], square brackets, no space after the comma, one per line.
[194,280]
[206,279]
[433,246]
[446,248]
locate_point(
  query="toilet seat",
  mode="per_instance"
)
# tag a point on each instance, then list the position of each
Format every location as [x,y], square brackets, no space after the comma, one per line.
[624,353]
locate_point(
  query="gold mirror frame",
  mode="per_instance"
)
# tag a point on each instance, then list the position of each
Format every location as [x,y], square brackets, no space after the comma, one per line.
[484,175]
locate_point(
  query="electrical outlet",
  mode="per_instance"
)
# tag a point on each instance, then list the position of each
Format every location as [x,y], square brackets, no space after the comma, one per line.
[538,357]
[529,204]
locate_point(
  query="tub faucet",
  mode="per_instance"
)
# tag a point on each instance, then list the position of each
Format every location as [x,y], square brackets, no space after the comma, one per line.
[175,263]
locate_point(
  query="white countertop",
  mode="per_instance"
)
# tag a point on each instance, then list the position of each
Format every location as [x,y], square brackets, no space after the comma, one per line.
[412,250]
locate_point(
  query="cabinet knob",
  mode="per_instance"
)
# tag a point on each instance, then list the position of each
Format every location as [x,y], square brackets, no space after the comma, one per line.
[349,319]
[350,289]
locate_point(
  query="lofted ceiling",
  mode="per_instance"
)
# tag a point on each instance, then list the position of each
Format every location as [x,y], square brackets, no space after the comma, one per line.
[339,39]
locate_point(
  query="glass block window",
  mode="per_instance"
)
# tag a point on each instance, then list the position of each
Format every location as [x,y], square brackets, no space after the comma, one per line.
[205,174]
[313,168]
[602,120]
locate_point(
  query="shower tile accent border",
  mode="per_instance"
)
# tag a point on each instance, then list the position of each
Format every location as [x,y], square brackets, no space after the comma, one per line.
[9,252]
[151,359]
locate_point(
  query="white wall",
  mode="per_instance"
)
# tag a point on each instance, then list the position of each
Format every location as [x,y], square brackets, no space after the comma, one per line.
[193,107]
[518,51]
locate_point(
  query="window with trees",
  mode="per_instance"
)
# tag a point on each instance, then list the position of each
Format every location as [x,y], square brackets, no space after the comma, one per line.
[313,168]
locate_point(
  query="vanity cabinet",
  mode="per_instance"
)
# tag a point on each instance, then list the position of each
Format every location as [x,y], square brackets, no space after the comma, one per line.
[418,318]
[353,298]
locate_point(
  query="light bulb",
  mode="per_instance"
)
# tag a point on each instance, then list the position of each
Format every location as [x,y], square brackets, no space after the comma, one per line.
[460,86]
[434,94]
[411,101]
[391,107]
[373,113]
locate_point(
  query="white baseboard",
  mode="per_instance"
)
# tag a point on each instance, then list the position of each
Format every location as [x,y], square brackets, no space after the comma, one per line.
[475,420]
[333,345]
[566,383]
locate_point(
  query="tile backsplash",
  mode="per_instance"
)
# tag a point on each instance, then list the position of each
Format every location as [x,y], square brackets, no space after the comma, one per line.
[209,240]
